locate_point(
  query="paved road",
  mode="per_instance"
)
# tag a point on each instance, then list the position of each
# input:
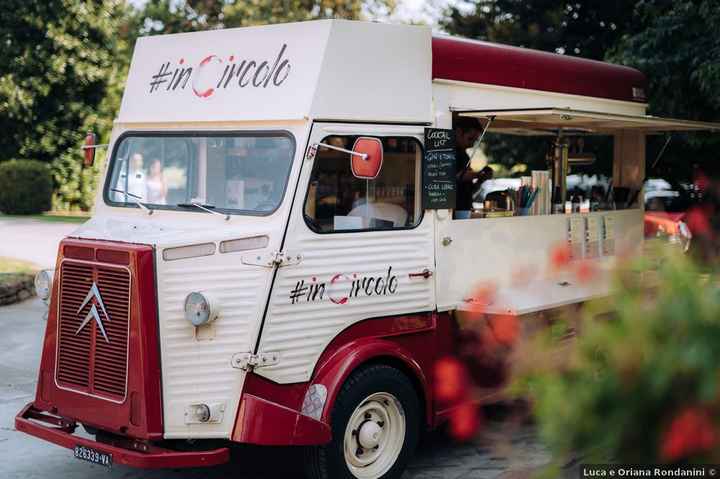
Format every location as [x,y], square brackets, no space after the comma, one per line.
[32,240]
[502,450]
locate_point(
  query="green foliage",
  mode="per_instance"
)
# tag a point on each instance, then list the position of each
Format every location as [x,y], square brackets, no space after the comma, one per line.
[25,187]
[61,76]
[168,16]
[679,51]
[675,43]
[581,27]
[629,378]
[75,190]
[67,60]
[58,57]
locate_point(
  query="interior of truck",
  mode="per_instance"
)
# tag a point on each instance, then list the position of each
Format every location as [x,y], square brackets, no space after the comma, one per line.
[338,201]
[551,162]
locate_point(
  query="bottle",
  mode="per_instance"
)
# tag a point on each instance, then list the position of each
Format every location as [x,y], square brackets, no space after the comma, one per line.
[585,206]
[576,202]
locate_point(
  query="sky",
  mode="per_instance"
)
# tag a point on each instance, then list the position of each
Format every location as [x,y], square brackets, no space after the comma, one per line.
[419,10]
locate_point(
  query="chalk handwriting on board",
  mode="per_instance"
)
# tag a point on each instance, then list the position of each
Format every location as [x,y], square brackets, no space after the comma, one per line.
[439,187]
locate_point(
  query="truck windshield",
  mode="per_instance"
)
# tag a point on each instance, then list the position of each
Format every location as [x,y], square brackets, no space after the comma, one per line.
[243,173]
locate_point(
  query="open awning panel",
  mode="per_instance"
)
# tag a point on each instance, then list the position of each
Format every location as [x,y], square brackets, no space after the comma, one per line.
[547,121]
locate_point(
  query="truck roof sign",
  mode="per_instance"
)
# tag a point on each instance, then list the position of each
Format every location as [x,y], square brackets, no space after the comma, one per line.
[322,69]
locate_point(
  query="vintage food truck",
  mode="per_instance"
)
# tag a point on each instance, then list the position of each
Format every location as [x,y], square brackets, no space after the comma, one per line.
[276,256]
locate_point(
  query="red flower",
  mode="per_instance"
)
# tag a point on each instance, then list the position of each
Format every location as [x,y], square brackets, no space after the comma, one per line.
[505,328]
[586,271]
[698,220]
[691,432]
[464,421]
[482,296]
[560,256]
[451,381]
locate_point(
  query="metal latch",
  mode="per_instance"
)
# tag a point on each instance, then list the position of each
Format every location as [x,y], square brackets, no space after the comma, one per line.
[248,361]
[272,259]
[426,273]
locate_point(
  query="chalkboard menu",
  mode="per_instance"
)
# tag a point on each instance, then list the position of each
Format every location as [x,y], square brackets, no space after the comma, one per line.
[439,169]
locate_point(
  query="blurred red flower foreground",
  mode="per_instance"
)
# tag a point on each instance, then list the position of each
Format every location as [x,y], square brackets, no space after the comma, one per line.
[690,433]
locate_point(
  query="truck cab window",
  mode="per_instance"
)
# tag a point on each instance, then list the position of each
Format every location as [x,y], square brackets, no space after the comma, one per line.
[338,201]
[238,173]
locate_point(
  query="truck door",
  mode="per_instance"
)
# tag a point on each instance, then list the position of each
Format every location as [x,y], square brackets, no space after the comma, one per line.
[365,248]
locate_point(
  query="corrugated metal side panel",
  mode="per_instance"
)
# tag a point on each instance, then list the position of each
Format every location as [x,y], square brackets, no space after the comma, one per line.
[300,331]
[197,367]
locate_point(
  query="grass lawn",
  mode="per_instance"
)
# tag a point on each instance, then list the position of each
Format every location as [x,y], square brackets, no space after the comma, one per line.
[16,266]
[52,217]
[15,270]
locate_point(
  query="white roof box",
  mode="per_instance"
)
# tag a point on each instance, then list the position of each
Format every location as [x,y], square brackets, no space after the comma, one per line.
[327,69]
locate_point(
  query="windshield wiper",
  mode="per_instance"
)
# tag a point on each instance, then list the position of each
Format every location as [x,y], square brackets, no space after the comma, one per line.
[207,208]
[137,201]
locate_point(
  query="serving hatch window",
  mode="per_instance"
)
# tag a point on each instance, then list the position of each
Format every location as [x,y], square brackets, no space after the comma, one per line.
[523,176]
[234,173]
[539,166]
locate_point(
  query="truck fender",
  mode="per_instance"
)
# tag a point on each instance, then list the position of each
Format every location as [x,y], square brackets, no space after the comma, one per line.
[334,370]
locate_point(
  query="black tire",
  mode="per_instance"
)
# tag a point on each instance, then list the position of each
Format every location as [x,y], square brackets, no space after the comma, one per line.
[328,461]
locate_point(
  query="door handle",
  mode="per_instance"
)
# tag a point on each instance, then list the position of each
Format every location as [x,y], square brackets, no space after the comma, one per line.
[426,273]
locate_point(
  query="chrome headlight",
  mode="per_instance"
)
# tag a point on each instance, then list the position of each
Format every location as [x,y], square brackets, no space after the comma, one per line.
[43,284]
[200,308]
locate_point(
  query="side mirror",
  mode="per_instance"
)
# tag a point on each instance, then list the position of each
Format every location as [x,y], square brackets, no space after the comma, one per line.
[89,148]
[367,158]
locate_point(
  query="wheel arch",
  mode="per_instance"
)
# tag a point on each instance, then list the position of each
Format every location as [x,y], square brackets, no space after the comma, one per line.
[337,368]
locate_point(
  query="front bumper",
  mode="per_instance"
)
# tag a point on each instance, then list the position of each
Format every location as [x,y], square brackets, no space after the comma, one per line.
[59,431]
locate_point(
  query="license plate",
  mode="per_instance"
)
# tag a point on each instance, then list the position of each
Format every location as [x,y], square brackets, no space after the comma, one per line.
[93,455]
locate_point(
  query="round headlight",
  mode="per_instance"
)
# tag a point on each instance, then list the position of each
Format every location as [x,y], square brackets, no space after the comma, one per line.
[199,308]
[43,284]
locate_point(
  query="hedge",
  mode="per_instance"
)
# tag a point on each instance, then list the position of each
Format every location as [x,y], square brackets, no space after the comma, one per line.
[26,187]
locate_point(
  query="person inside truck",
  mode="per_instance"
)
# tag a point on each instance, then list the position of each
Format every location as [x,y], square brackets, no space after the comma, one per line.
[156,185]
[467,130]
[132,180]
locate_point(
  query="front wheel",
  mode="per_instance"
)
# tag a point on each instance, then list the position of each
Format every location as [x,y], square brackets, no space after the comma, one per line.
[375,427]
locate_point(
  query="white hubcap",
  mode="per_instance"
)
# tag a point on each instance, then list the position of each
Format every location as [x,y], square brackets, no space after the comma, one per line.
[369,436]
[374,436]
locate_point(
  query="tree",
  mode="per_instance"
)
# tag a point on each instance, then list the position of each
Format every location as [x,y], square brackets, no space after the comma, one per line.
[674,43]
[679,51]
[60,60]
[580,28]
[583,27]
[168,16]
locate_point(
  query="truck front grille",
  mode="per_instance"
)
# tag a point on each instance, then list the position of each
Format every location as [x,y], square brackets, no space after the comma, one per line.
[87,362]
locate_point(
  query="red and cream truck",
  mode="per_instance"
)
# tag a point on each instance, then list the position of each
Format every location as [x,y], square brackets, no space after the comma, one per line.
[274,258]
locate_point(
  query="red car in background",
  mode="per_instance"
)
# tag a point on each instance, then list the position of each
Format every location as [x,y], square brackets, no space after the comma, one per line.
[666,207]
